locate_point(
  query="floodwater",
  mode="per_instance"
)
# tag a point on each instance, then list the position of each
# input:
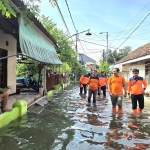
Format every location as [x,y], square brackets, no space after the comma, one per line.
[67,123]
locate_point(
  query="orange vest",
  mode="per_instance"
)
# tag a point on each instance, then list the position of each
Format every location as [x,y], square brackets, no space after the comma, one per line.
[102,81]
[136,85]
[84,79]
[93,83]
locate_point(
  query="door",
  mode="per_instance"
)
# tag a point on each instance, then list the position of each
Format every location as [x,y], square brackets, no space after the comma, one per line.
[3,69]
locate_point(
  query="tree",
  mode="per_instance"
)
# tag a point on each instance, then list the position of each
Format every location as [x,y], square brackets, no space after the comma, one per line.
[8,9]
[103,66]
[64,50]
[114,56]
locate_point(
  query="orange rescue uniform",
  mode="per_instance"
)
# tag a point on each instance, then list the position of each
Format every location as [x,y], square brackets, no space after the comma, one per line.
[103,81]
[116,83]
[84,79]
[136,85]
[93,83]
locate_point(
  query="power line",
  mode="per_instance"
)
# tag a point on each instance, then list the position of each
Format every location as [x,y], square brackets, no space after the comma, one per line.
[96,44]
[82,47]
[63,18]
[133,30]
[133,18]
[87,48]
[70,15]
[128,30]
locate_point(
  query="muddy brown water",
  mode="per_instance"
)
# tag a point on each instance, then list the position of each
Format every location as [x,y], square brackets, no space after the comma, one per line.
[67,123]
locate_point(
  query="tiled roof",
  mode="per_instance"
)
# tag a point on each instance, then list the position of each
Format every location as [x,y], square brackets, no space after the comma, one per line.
[139,52]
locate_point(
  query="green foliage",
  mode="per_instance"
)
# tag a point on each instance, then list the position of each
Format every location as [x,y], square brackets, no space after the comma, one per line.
[65,51]
[104,66]
[7,9]
[24,69]
[115,55]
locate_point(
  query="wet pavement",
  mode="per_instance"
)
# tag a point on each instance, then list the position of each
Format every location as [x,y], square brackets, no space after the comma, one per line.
[67,123]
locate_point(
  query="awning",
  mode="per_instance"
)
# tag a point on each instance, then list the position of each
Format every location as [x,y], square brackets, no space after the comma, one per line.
[36,46]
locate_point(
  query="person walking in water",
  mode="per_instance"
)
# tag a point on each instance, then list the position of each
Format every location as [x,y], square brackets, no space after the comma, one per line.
[116,84]
[136,87]
[93,86]
[83,83]
[103,84]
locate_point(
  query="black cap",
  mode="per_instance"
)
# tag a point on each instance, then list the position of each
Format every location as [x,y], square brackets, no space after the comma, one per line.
[135,70]
[89,74]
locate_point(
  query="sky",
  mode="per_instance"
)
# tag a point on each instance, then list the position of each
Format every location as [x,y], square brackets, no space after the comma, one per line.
[117,17]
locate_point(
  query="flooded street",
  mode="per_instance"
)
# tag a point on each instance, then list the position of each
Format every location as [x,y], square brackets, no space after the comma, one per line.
[67,123]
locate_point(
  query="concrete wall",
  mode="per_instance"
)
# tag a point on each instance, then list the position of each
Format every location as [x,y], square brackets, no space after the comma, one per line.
[127,71]
[11,62]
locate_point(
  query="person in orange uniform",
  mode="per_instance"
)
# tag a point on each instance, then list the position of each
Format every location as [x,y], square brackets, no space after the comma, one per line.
[136,87]
[93,86]
[103,84]
[116,84]
[83,82]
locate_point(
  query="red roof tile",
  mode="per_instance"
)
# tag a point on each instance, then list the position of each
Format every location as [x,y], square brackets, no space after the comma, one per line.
[139,52]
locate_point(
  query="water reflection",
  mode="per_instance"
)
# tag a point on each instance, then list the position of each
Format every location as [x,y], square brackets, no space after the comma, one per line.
[68,124]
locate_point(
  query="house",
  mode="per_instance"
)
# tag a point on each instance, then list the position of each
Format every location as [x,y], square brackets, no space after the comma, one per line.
[140,59]
[87,62]
[16,38]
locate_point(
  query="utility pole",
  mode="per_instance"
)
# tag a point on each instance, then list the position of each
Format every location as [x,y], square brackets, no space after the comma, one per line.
[107,47]
[77,54]
[76,41]
[103,56]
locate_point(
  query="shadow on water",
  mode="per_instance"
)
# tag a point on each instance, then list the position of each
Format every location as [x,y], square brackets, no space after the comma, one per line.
[67,123]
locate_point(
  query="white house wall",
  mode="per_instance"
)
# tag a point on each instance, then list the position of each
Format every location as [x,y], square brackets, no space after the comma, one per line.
[11,62]
[127,70]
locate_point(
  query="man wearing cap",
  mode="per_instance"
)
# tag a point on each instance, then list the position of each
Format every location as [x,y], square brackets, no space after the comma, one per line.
[136,87]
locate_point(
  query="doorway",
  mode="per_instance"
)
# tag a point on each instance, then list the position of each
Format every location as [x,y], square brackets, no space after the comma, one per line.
[3,69]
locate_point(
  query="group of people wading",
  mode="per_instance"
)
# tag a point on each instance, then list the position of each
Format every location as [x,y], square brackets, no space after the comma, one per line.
[117,88]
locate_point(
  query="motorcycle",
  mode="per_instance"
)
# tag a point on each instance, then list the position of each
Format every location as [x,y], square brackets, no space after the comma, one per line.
[28,82]
[32,83]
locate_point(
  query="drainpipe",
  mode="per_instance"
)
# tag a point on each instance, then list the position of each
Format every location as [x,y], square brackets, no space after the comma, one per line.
[44,82]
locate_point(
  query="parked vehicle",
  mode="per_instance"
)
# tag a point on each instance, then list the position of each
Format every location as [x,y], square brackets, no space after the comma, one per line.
[28,82]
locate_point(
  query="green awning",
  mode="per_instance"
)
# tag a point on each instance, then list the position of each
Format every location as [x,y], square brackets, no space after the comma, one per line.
[35,46]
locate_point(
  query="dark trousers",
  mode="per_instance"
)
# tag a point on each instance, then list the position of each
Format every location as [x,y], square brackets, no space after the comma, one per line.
[84,87]
[103,88]
[140,99]
[94,92]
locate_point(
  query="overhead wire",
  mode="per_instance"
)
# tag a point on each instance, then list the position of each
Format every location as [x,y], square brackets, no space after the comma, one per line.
[96,44]
[63,20]
[133,31]
[87,48]
[133,18]
[70,15]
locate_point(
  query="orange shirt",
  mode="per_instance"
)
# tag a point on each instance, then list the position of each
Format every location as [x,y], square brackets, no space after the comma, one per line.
[116,84]
[93,83]
[102,81]
[136,85]
[84,79]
